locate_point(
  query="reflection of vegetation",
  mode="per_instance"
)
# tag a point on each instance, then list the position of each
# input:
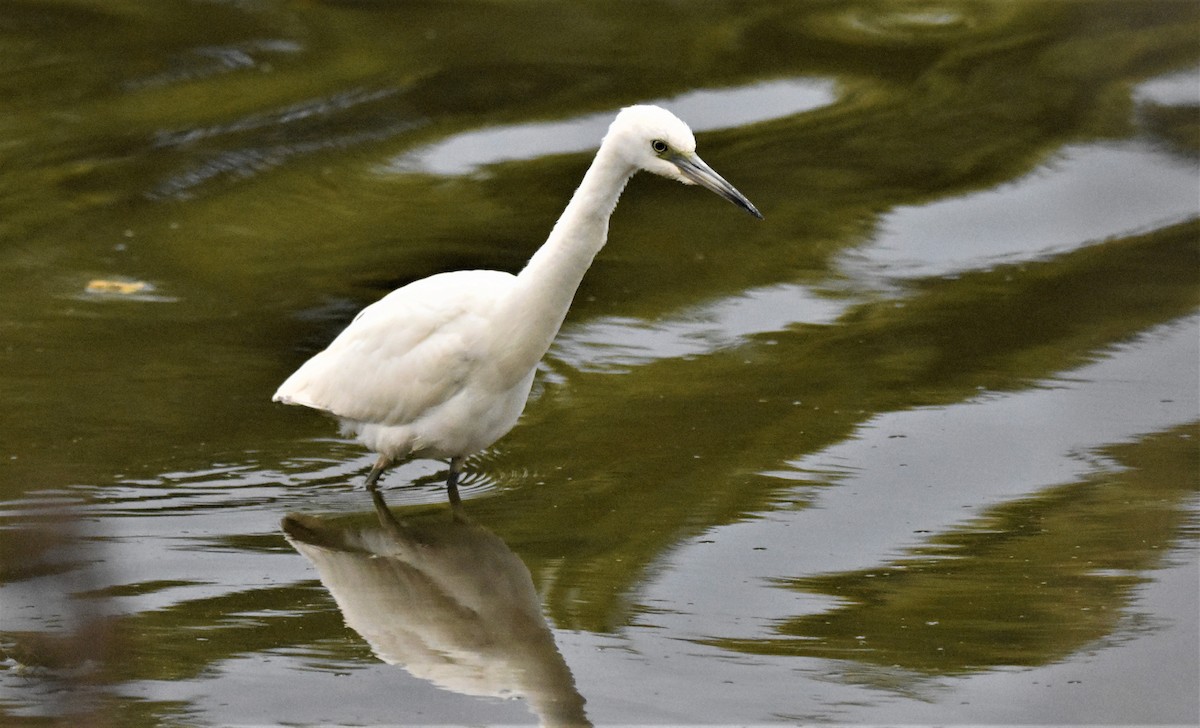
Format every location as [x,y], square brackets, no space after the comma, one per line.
[631,483]
[1178,125]
[1027,583]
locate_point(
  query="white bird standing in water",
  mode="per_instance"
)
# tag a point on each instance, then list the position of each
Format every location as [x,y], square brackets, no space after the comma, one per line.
[441,368]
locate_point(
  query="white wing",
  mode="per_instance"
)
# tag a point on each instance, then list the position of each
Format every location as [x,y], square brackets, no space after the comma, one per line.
[404,354]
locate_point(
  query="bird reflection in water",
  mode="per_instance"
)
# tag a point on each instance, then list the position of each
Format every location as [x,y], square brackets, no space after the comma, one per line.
[446,600]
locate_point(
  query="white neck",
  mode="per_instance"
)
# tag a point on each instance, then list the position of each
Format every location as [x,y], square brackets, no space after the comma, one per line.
[530,316]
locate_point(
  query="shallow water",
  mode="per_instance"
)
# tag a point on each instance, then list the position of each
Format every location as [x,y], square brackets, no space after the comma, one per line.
[920,447]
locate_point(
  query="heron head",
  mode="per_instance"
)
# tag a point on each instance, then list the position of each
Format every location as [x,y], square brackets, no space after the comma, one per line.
[654,139]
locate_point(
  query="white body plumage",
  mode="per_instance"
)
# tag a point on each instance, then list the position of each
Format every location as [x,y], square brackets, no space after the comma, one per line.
[415,374]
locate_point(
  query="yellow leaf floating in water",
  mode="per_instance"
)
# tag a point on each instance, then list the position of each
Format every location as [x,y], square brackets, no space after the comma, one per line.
[119,288]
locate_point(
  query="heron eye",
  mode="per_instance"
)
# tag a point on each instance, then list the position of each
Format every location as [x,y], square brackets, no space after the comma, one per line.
[659,146]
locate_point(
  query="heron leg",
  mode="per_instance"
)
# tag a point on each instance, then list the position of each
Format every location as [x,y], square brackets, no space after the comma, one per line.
[456,465]
[377,470]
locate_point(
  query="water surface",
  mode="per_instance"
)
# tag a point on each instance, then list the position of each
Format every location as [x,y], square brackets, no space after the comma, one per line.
[920,447]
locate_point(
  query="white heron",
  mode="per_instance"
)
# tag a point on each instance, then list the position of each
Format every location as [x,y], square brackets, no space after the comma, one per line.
[442,367]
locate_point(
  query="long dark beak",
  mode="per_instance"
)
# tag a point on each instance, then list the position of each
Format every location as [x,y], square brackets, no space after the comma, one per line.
[694,169]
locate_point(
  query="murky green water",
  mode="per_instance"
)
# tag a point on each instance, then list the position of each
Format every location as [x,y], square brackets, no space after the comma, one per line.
[921,447]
